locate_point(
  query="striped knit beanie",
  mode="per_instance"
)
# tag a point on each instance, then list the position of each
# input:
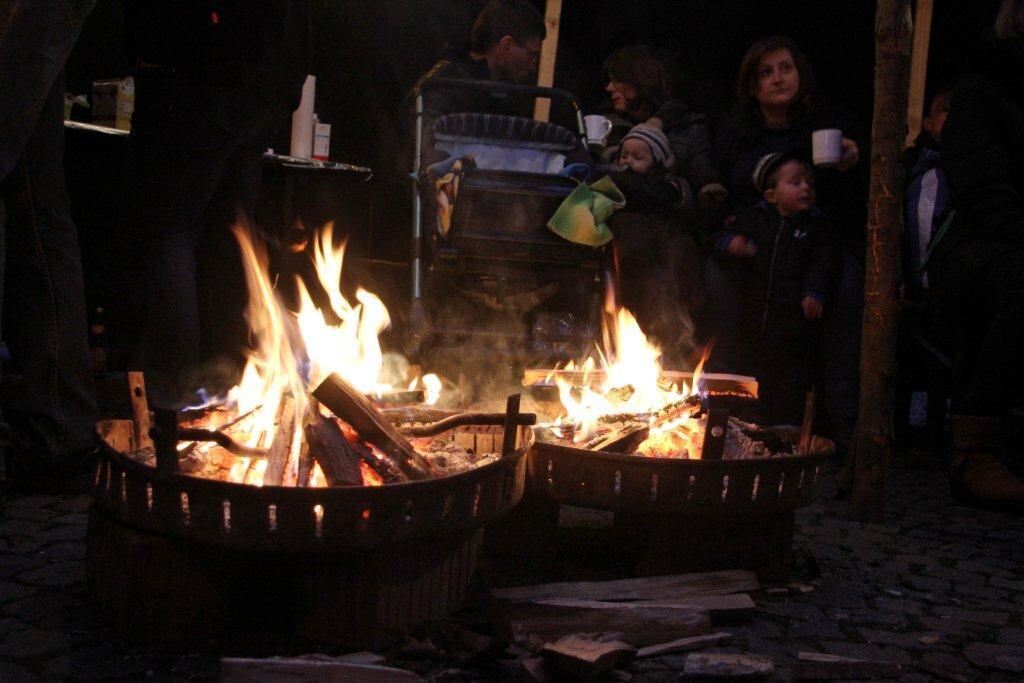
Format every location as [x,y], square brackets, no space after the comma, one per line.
[655,139]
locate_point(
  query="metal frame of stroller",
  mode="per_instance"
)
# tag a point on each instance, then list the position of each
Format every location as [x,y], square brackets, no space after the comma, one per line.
[419,236]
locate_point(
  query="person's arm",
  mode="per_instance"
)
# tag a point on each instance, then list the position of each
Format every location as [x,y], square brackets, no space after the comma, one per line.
[979,166]
[822,272]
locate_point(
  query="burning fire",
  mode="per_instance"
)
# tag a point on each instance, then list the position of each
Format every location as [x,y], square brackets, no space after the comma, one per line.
[295,351]
[626,379]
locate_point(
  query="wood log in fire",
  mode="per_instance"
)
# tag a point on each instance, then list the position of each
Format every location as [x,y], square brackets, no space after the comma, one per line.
[350,405]
[329,447]
[281,446]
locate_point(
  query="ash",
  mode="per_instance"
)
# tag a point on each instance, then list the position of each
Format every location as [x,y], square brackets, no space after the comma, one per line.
[451,458]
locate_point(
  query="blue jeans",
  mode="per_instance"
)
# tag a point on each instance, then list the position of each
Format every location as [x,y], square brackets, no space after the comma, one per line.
[194,160]
[52,410]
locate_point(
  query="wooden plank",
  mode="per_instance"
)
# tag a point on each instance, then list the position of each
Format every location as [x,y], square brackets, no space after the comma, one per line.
[683,645]
[672,587]
[918,68]
[587,656]
[119,434]
[726,665]
[140,409]
[642,625]
[241,670]
[732,606]
[548,54]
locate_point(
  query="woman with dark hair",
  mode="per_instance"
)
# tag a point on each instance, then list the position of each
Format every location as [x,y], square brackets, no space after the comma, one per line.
[777,110]
[977,269]
[641,89]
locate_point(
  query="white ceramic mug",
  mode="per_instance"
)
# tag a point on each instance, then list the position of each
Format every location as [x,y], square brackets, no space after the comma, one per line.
[827,146]
[598,127]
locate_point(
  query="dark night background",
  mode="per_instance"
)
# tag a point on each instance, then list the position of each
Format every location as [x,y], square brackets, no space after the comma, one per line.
[368,54]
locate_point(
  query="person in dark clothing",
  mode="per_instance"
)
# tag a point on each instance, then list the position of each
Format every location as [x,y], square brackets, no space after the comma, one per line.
[48,430]
[658,262]
[640,89]
[214,83]
[977,269]
[789,246]
[504,45]
[927,194]
[777,110]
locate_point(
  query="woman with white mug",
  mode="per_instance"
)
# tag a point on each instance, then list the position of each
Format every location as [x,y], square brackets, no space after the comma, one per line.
[778,110]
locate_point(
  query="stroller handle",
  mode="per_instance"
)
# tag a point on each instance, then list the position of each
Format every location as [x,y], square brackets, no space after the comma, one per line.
[502,88]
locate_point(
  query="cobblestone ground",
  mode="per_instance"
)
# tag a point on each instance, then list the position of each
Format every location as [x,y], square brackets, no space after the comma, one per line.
[937,588]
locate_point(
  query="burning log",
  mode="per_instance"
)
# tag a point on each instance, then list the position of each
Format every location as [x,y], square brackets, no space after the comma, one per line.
[337,457]
[305,467]
[452,421]
[350,405]
[398,398]
[281,446]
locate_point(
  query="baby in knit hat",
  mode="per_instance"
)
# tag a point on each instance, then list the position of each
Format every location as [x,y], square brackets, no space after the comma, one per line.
[645,148]
[645,156]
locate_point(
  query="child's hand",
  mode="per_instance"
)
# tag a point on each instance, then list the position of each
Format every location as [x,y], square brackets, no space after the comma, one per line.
[812,308]
[741,246]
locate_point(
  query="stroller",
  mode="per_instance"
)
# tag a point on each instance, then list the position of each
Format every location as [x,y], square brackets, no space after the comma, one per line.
[490,281]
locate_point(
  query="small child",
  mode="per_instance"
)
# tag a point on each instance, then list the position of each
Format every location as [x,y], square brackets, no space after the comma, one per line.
[794,268]
[645,155]
[658,260]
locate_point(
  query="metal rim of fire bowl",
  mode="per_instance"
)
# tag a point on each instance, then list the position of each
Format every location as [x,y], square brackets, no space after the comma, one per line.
[636,483]
[317,520]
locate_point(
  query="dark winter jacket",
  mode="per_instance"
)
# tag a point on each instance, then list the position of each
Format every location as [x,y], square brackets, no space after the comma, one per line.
[652,194]
[687,133]
[983,152]
[841,195]
[796,257]
[926,200]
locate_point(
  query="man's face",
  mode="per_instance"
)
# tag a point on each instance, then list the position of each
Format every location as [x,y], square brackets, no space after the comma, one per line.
[637,155]
[516,61]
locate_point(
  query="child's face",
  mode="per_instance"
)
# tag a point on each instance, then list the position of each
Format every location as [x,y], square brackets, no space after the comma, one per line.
[637,155]
[794,188]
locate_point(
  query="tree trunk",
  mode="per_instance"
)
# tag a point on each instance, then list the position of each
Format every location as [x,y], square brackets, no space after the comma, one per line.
[872,447]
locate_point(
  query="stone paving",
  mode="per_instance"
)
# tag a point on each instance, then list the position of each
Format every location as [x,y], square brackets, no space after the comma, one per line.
[938,588]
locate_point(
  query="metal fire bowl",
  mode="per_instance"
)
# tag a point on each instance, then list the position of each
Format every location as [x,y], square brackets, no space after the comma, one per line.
[638,484]
[317,520]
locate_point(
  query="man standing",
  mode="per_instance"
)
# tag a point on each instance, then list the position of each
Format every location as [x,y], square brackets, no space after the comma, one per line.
[51,416]
[214,82]
[504,45]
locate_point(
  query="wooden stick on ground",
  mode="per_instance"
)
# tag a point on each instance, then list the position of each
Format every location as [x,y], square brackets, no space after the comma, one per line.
[508,441]
[350,405]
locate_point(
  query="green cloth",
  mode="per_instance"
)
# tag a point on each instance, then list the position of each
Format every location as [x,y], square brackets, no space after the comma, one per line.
[582,215]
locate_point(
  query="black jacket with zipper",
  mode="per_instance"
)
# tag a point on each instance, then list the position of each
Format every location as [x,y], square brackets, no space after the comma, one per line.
[797,256]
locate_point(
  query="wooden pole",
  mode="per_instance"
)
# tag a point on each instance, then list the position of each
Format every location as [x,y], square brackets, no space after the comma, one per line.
[872,444]
[918,68]
[548,53]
